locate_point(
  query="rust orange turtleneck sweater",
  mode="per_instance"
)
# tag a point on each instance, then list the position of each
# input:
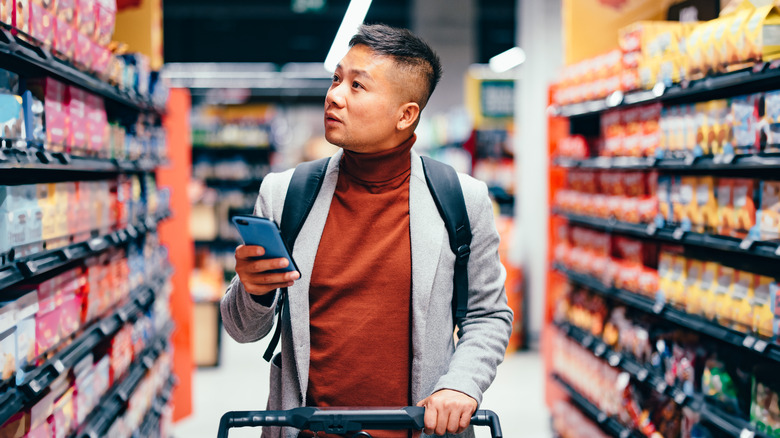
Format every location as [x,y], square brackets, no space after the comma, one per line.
[360,294]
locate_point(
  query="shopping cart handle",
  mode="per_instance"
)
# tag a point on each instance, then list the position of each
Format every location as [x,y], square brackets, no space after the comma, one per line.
[342,420]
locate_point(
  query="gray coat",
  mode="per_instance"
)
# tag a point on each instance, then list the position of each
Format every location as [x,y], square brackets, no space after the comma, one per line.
[436,362]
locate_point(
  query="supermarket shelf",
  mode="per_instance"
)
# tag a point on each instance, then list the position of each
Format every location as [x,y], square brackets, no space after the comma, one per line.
[115,401]
[37,264]
[234,183]
[688,164]
[232,149]
[152,420]
[678,236]
[38,380]
[695,323]
[33,159]
[724,422]
[763,76]
[606,423]
[24,58]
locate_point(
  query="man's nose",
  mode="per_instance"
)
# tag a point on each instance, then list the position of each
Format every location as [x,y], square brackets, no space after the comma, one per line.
[335,96]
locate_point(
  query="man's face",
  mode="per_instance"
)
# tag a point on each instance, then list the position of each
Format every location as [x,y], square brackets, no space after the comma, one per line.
[363,104]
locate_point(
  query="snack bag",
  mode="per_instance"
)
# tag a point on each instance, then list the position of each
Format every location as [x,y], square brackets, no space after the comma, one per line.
[679,206]
[763,317]
[763,41]
[735,43]
[665,266]
[741,308]
[664,200]
[719,127]
[688,207]
[705,218]
[704,129]
[694,301]
[678,281]
[722,301]
[744,114]
[705,289]
[771,123]
[744,196]
[768,217]
[725,201]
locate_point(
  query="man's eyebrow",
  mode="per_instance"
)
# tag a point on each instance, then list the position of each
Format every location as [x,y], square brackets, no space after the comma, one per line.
[360,73]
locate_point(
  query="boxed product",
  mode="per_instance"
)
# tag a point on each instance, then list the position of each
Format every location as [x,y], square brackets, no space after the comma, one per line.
[733,51]
[694,299]
[703,292]
[53,94]
[12,127]
[47,331]
[7,207]
[649,116]
[664,199]
[7,342]
[763,316]
[77,138]
[686,208]
[768,217]
[632,137]
[771,124]
[21,16]
[106,21]
[16,216]
[97,126]
[7,11]
[613,132]
[741,308]
[35,222]
[744,198]
[765,400]
[45,197]
[41,23]
[744,116]
[719,134]
[706,215]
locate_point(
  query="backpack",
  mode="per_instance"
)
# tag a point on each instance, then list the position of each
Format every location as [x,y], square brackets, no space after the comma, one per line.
[445,188]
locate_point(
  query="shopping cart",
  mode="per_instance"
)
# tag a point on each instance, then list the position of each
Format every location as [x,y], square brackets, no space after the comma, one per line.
[345,420]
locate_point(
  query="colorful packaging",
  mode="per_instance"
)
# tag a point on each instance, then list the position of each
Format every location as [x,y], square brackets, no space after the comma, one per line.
[7,11]
[27,306]
[741,308]
[664,200]
[763,41]
[21,18]
[723,292]
[725,200]
[719,127]
[77,139]
[613,132]
[7,343]
[736,38]
[677,296]
[772,121]
[64,38]
[768,217]
[686,210]
[744,114]
[764,410]
[704,291]
[705,218]
[744,197]
[649,117]
[763,317]
[53,94]
[694,299]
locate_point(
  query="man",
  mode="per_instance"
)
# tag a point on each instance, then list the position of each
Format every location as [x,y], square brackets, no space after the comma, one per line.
[370,315]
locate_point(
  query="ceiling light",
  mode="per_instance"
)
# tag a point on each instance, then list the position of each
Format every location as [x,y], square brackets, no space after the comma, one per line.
[508,60]
[353,18]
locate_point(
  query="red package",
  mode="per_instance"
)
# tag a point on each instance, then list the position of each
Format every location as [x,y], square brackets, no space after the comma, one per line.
[76,110]
[41,24]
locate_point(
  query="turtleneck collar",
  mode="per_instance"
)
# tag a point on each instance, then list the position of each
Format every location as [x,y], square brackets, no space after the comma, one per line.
[381,166]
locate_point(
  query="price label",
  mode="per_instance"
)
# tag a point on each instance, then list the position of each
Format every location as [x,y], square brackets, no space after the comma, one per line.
[600,350]
[658,307]
[717,159]
[678,234]
[587,341]
[651,229]
[59,366]
[760,346]
[749,341]
[642,375]
[777,251]
[689,160]
[680,397]
[614,360]
[746,244]
[601,418]
[746,433]
[661,387]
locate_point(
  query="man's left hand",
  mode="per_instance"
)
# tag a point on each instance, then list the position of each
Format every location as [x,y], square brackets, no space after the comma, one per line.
[447,411]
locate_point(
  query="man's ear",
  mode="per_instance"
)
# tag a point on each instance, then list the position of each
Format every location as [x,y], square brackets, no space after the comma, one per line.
[409,113]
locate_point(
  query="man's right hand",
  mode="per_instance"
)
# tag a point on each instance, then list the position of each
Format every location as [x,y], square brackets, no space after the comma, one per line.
[253,272]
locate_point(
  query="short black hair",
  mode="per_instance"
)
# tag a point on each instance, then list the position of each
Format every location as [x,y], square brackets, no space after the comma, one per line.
[406,48]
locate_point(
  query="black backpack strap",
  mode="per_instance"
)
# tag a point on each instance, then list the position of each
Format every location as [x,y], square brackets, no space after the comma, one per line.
[305,183]
[445,188]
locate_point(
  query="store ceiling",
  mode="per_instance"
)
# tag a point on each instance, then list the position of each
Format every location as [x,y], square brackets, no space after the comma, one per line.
[271,31]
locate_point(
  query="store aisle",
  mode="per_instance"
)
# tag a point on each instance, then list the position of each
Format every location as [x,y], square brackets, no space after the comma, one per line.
[241,383]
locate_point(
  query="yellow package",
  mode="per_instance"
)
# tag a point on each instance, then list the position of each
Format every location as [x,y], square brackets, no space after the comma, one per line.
[648,72]
[722,300]
[741,309]
[693,58]
[706,48]
[688,207]
[63,198]
[762,36]
[705,217]
[763,317]
[690,128]
[692,298]
[724,196]
[716,48]
[665,264]
[704,131]
[677,282]
[719,124]
[736,44]
[704,290]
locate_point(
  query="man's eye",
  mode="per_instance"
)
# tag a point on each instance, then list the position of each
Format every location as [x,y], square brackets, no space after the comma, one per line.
[335,78]
[356,85]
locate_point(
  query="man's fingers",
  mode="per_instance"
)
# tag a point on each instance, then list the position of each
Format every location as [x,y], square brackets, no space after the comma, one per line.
[430,420]
[453,422]
[249,251]
[465,420]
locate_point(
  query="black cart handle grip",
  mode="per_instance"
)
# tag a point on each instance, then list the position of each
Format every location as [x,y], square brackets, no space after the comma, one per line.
[342,420]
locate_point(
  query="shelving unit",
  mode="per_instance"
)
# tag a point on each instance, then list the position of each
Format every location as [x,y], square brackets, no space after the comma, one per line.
[37,164]
[607,424]
[722,421]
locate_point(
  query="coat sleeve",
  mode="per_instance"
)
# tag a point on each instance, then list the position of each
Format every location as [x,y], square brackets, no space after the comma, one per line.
[246,320]
[485,330]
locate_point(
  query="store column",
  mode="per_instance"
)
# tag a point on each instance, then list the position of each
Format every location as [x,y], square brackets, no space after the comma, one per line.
[539,35]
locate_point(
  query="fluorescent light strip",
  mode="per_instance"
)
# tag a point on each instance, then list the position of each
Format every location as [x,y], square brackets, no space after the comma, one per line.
[508,60]
[353,18]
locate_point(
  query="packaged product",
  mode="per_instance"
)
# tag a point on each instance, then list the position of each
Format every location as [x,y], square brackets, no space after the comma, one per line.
[106,21]
[705,217]
[694,300]
[744,197]
[736,42]
[763,41]
[27,307]
[42,23]
[719,387]
[768,217]
[763,316]
[704,290]
[7,342]
[76,111]
[66,11]
[21,16]
[649,117]
[725,200]
[632,139]
[7,11]
[53,94]
[691,121]
[765,404]
[744,116]
[686,210]
[12,119]
[772,121]
[723,292]
[16,426]
[667,277]
[719,128]
[64,38]
[47,331]
[613,132]
[86,17]
[677,296]
[741,308]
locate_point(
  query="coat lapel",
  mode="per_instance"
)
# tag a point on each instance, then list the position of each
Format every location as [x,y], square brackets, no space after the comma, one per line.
[427,231]
[304,253]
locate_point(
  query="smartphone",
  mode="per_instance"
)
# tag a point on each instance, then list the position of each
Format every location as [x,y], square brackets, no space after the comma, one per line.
[255,230]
